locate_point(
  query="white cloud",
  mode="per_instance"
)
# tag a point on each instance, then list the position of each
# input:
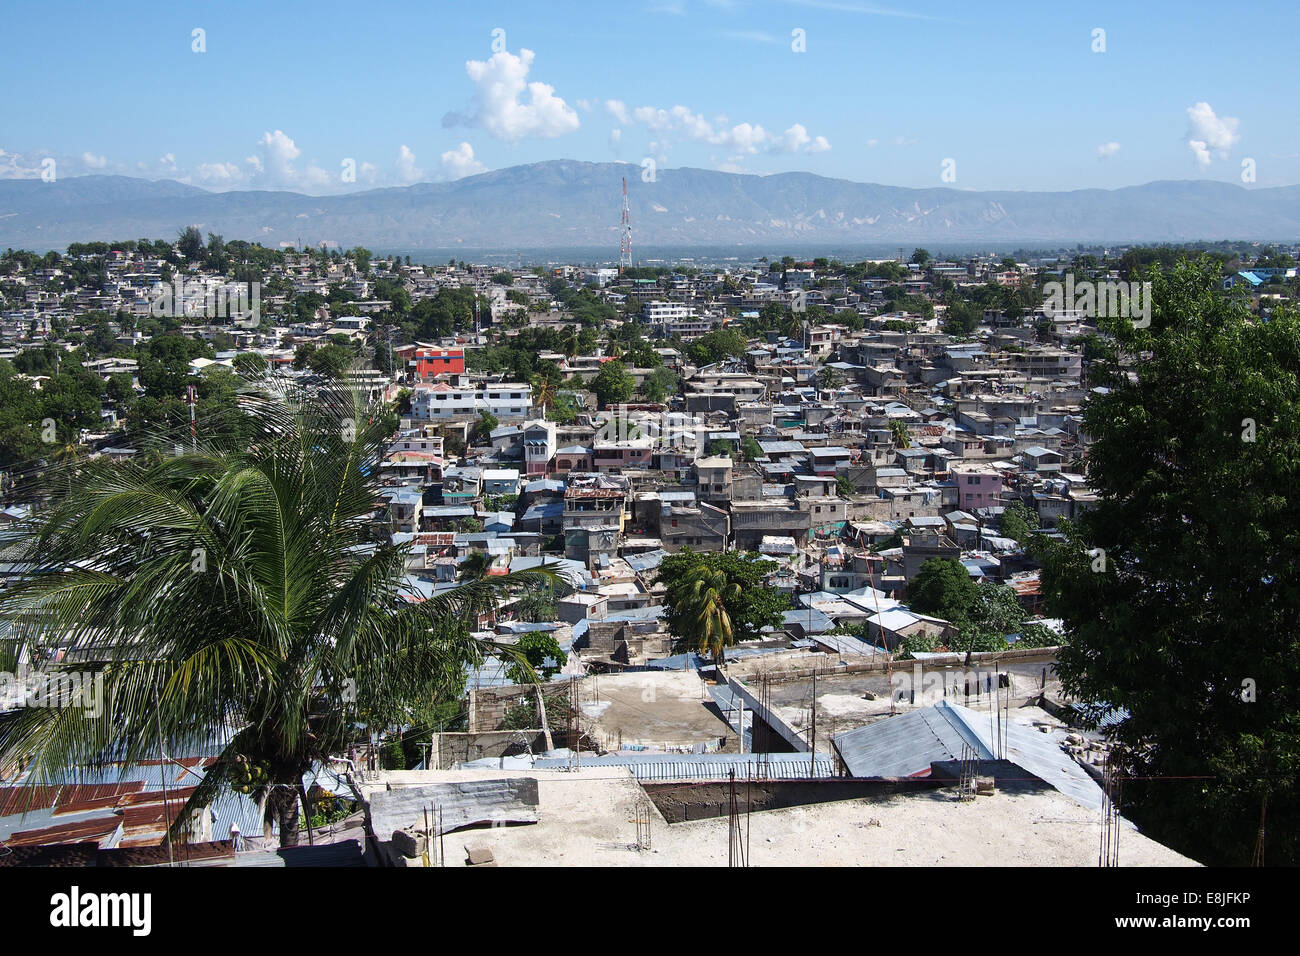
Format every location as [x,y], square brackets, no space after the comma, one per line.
[16,166]
[278,152]
[1208,133]
[407,171]
[617,109]
[508,106]
[752,36]
[273,165]
[744,137]
[1107,150]
[872,143]
[792,139]
[741,138]
[796,139]
[92,161]
[460,162]
[219,174]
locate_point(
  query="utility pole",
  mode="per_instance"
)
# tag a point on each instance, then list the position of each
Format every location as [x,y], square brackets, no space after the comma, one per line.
[190,396]
[812,762]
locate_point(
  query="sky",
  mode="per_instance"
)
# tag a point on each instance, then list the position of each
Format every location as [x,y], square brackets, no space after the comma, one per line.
[333,97]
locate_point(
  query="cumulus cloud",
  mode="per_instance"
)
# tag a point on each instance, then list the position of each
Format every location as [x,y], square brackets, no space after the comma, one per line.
[460,162]
[15,166]
[274,165]
[509,107]
[1209,133]
[278,152]
[35,163]
[219,174]
[617,109]
[741,138]
[1107,150]
[407,171]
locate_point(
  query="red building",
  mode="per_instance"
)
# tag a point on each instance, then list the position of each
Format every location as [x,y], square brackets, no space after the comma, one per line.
[429,362]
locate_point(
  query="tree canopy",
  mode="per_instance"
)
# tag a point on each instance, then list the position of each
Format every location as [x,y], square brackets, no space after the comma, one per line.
[1179,589]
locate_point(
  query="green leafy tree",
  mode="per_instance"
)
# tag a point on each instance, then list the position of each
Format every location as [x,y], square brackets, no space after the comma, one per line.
[943,588]
[483,428]
[1179,589]
[659,385]
[613,384]
[536,647]
[190,243]
[1018,522]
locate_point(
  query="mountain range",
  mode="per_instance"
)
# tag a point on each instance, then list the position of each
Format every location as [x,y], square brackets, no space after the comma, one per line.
[567,204]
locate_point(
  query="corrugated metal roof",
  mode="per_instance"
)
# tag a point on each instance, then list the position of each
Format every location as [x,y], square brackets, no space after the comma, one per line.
[668,767]
[908,744]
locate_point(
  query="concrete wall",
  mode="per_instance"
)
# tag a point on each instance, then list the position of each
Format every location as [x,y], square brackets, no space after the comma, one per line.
[488,705]
[452,748]
[700,801]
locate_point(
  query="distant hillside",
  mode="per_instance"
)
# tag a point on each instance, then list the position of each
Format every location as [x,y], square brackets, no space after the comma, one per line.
[567,204]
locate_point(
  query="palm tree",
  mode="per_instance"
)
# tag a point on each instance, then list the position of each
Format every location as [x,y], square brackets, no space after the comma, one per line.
[708,620]
[899,433]
[830,378]
[237,599]
[544,393]
[474,567]
[791,326]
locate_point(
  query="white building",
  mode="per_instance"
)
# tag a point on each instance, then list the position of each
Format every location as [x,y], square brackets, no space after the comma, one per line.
[504,401]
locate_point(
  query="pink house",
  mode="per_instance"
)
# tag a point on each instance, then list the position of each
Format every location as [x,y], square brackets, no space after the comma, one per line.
[977,487]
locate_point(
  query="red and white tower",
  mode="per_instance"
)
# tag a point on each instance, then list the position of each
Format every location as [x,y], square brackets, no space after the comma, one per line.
[625,248]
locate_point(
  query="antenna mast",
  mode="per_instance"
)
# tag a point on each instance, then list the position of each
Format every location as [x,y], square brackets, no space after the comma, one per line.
[625,249]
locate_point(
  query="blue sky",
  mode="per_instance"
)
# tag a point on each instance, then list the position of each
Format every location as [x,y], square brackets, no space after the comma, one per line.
[1013,93]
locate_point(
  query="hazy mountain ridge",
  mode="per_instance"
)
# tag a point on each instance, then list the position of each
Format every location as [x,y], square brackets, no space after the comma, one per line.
[566,203]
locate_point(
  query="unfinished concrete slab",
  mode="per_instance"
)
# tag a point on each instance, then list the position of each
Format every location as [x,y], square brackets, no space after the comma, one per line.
[588,818]
[653,709]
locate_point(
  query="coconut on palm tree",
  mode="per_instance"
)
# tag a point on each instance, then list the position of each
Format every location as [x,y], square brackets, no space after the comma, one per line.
[237,599]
